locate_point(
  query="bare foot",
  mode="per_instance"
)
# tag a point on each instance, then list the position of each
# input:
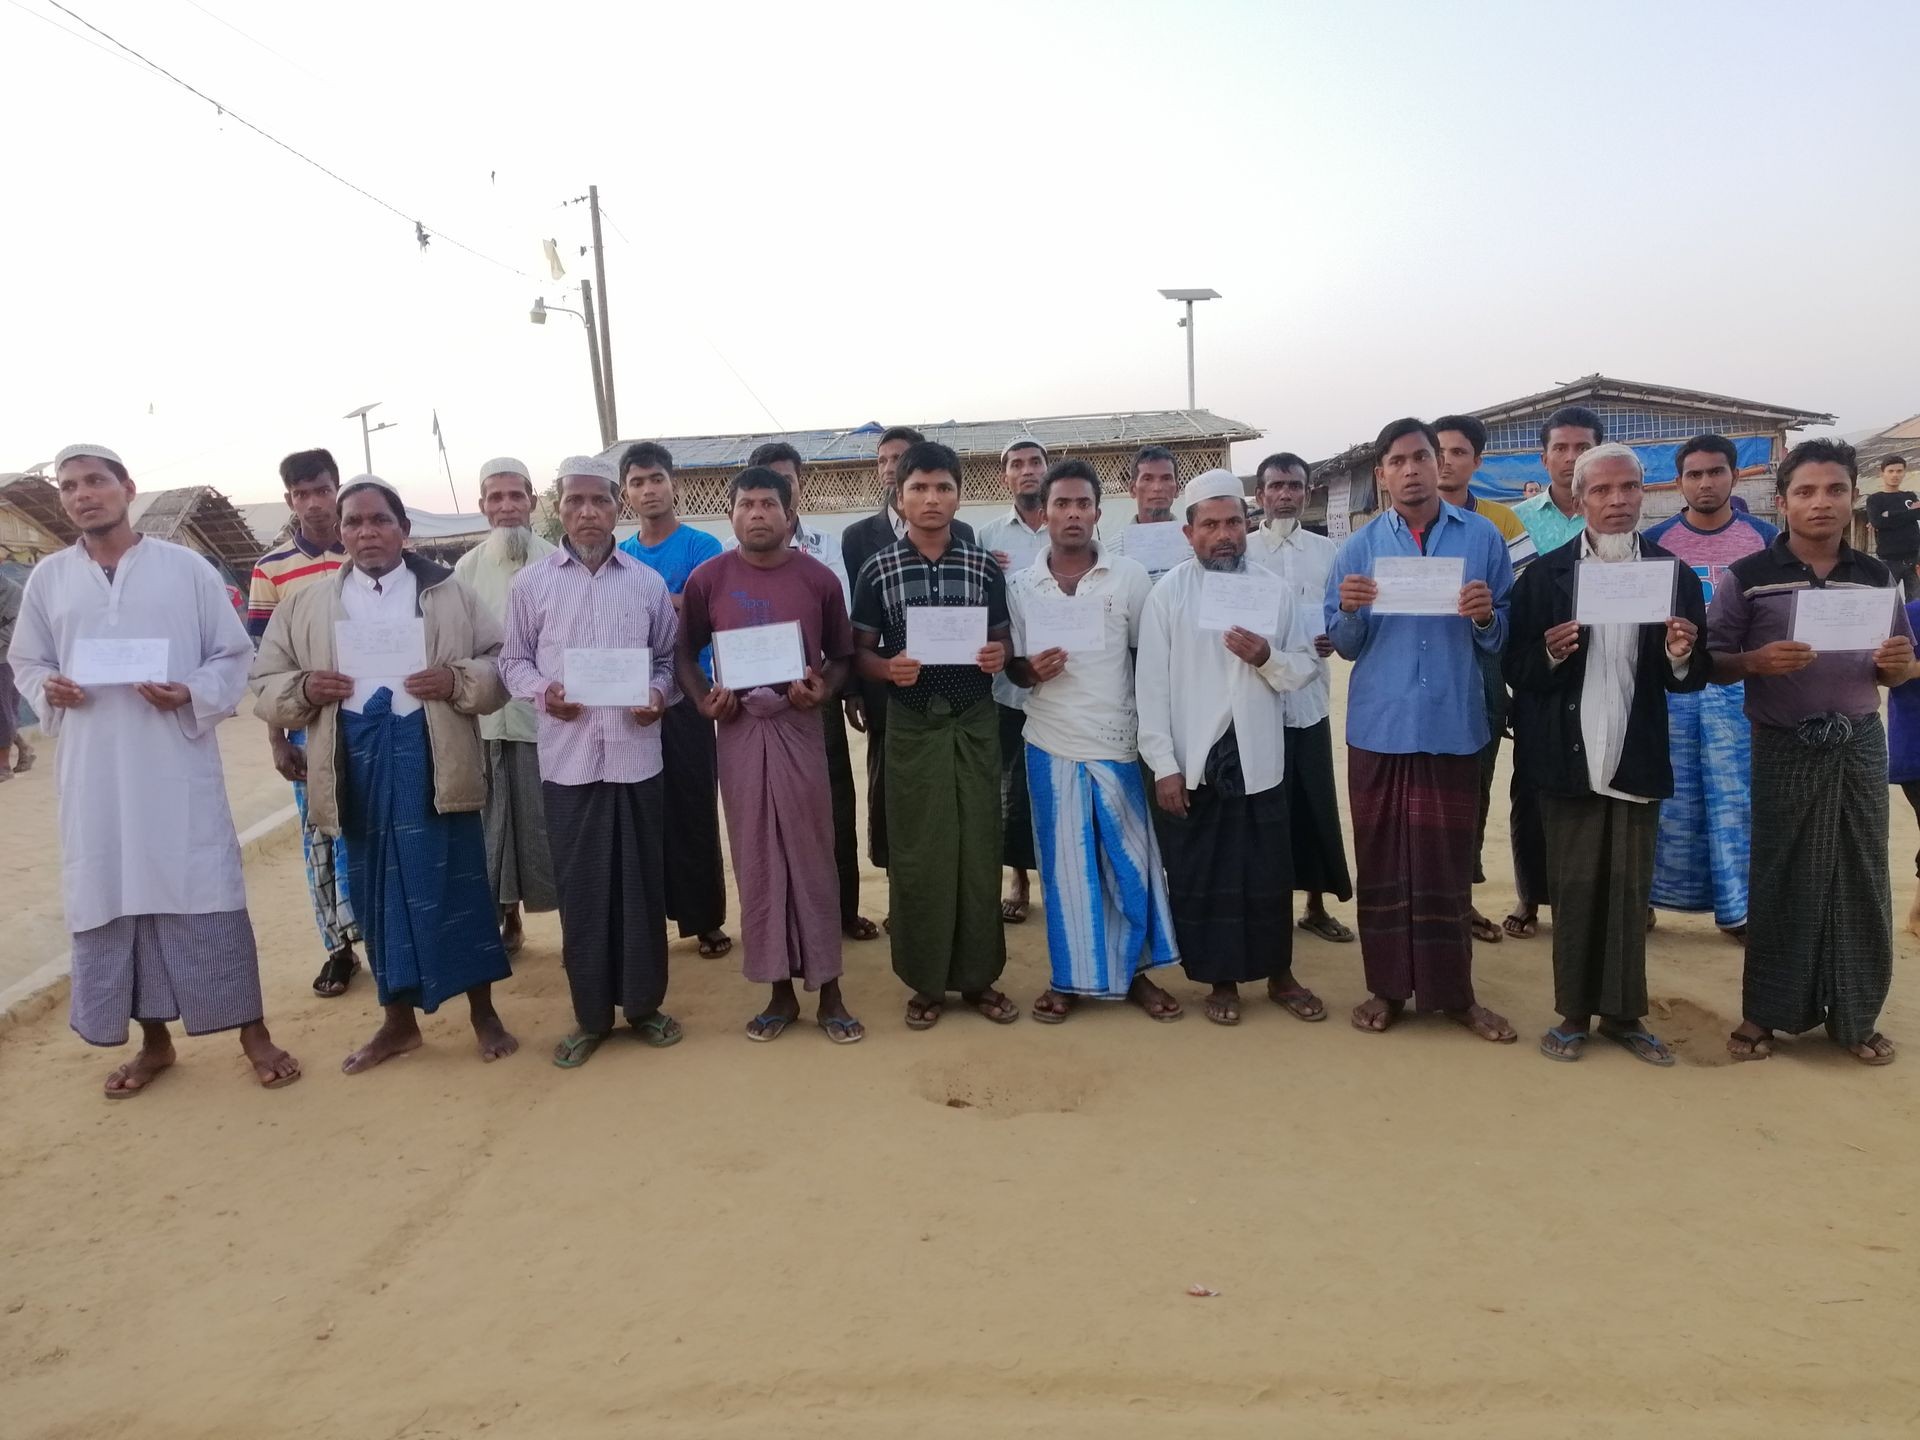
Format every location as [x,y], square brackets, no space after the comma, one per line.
[396,1036]
[496,1041]
[1485,1023]
[1377,1014]
[134,1076]
[273,1067]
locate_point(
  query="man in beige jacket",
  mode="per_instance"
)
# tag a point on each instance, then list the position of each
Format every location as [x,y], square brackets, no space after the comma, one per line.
[385,666]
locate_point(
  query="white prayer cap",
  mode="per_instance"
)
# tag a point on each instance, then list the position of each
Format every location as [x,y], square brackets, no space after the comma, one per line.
[1021,442]
[97,452]
[505,465]
[1212,485]
[587,465]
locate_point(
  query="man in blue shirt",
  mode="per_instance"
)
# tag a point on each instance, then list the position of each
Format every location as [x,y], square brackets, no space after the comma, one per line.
[1416,722]
[696,876]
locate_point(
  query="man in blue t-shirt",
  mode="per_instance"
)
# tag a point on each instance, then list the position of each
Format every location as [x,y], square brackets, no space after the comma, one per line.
[696,878]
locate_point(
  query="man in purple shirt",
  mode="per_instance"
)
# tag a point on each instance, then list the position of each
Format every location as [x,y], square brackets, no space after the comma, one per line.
[600,767]
[1820,928]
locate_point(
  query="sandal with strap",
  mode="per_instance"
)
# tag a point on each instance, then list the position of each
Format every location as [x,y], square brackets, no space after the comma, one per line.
[574,1051]
[1563,1045]
[336,974]
[1750,1047]
[1641,1044]
[659,1030]
[767,1026]
[843,1029]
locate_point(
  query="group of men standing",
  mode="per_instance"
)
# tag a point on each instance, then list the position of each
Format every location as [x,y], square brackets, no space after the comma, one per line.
[1167,776]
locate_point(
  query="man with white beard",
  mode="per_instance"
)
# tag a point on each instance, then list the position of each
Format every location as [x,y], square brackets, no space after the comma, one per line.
[518,861]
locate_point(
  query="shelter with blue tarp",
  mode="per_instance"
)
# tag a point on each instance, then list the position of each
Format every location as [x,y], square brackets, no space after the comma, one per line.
[1654,419]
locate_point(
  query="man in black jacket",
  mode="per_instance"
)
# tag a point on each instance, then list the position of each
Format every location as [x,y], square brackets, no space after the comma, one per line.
[1590,734]
[866,700]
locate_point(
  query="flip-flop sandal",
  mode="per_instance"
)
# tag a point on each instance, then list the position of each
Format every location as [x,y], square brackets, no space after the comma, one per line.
[772,1027]
[128,1094]
[280,1082]
[1878,1059]
[1572,1044]
[1326,927]
[1053,1017]
[844,1029]
[659,1030]
[1749,1047]
[1467,1021]
[1643,1045]
[860,928]
[1297,1002]
[1000,1011]
[574,1051]
[1487,932]
[1520,929]
[1389,1014]
[339,969]
[1165,1017]
[25,762]
[714,949]
[1013,912]
[923,1015]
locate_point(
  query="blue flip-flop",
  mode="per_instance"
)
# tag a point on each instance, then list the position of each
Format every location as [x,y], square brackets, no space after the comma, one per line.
[844,1029]
[772,1027]
[1576,1039]
[1631,1041]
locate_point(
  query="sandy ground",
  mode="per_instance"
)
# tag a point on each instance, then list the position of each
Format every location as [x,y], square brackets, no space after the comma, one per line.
[976,1231]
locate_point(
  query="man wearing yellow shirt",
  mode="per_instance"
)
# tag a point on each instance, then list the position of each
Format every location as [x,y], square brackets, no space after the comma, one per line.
[1463,439]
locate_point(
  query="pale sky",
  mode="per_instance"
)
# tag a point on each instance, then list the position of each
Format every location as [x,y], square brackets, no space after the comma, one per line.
[902,212]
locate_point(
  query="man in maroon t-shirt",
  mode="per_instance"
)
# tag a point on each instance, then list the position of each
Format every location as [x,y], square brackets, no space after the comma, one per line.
[781,647]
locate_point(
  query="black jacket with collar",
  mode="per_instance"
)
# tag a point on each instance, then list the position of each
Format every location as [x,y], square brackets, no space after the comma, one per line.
[1549,749]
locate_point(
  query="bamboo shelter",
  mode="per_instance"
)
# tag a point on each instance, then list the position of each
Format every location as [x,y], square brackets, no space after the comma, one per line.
[203,519]
[841,475]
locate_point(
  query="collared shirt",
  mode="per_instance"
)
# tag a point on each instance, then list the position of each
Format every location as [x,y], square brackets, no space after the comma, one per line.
[281,574]
[1304,560]
[900,578]
[1548,526]
[392,596]
[1021,544]
[1416,687]
[559,604]
[490,581]
[895,519]
[1087,711]
[1190,687]
[1754,607]
[1116,544]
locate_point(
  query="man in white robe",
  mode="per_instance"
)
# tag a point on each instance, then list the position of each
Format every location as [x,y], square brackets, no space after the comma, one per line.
[151,864]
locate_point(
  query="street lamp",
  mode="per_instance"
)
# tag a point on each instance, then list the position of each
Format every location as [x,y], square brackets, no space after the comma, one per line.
[366,435]
[538,315]
[1186,323]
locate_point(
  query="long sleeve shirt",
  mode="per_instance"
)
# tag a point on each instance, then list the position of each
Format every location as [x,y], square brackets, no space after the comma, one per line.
[1304,560]
[1011,536]
[558,604]
[1190,687]
[1416,686]
[490,581]
[144,823]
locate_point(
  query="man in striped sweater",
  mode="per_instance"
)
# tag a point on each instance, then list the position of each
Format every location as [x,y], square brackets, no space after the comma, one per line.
[310,555]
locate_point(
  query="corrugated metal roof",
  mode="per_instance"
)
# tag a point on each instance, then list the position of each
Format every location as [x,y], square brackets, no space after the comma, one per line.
[967,437]
[1606,387]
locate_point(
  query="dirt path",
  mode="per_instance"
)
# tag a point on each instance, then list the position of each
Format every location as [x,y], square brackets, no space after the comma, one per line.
[977,1231]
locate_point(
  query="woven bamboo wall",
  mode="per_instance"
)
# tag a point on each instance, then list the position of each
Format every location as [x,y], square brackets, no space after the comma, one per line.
[854,486]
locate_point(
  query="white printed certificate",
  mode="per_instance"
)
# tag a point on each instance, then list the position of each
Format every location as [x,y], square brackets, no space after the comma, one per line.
[611,678]
[380,649]
[1843,618]
[1624,592]
[755,656]
[1250,601]
[1078,627]
[101,661]
[946,634]
[1418,584]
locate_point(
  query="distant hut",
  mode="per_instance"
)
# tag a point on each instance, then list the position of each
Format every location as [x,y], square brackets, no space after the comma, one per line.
[203,519]
[32,524]
[1654,419]
[841,463]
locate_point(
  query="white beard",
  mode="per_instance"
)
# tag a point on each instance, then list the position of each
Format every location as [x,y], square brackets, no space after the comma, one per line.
[1615,547]
[509,546]
[1282,528]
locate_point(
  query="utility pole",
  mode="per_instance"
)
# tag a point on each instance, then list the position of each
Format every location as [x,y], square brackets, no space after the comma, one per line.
[366,433]
[600,398]
[611,422]
[1187,297]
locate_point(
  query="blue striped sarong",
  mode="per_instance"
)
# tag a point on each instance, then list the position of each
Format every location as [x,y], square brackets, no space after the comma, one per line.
[1106,898]
[1700,858]
[327,885]
[425,905]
